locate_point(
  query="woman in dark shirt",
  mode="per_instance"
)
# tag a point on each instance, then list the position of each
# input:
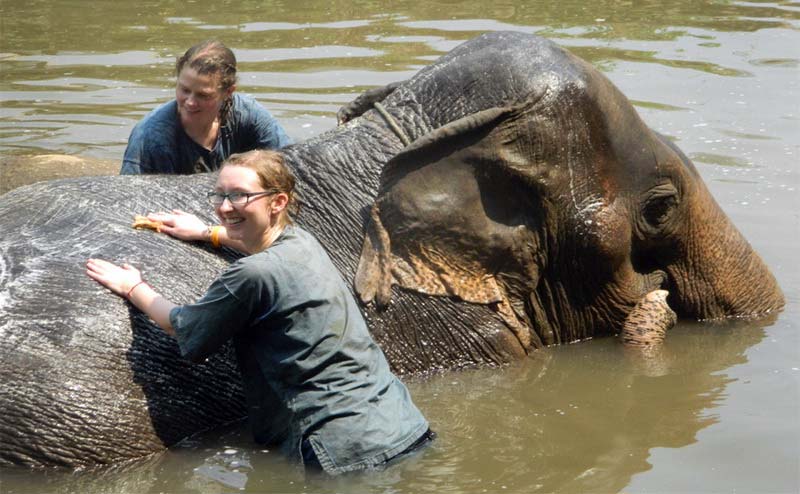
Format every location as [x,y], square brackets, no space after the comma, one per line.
[313,377]
[205,123]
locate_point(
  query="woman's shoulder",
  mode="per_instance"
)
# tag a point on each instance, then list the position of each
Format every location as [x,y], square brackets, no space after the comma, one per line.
[160,121]
[295,237]
[248,109]
[281,254]
[249,116]
[164,112]
[252,266]
[294,249]
[244,99]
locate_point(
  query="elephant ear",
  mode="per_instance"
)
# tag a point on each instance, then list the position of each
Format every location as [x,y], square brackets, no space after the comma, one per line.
[441,225]
[373,277]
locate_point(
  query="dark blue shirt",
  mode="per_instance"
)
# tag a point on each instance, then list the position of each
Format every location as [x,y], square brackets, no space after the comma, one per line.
[158,143]
[310,367]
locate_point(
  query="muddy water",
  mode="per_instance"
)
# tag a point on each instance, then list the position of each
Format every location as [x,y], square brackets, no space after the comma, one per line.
[717,411]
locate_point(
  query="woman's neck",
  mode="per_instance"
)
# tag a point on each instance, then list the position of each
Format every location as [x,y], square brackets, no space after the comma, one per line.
[204,134]
[269,237]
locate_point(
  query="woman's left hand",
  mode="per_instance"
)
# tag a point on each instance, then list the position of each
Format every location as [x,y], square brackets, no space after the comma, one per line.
[118,279]
[181,225]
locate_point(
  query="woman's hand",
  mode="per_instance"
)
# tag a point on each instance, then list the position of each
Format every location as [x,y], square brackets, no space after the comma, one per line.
[181,225]
[118,279]
[126,281]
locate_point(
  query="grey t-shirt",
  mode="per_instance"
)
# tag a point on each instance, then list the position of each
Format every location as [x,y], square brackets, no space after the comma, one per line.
[158,143]
[310,368]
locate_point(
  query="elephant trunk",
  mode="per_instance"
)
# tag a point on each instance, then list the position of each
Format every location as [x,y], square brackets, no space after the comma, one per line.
[648,323]
[720,275]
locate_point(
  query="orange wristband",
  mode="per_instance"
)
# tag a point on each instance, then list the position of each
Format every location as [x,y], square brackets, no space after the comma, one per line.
[128,296]
[213,235]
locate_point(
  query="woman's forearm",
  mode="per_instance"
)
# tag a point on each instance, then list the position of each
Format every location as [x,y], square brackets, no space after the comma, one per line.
[153,304]
[186,226]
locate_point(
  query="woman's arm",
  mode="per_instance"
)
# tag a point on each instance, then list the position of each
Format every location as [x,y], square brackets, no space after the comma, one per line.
[185,226]
[126,281]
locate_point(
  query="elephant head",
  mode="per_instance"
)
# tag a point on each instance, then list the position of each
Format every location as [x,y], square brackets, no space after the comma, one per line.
[559,210]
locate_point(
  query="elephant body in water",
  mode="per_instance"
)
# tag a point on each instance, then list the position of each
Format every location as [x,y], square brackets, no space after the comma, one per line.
[532,207]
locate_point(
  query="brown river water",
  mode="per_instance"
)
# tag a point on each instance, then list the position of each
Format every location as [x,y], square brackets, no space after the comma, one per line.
[718,411]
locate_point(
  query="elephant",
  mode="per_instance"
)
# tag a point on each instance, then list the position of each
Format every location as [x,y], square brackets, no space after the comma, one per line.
[505,198]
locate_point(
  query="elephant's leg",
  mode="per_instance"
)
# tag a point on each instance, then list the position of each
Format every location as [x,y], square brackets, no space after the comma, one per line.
[364,102]
[647,325]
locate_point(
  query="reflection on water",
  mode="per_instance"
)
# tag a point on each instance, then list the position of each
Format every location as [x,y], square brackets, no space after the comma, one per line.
[577,418]
[716,410]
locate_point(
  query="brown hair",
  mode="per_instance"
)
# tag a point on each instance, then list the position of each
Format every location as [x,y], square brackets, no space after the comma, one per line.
[212,57]
[273,175]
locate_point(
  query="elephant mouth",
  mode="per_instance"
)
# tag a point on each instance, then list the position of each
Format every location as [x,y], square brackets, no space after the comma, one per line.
[651,281]
[654,280]
[540,329]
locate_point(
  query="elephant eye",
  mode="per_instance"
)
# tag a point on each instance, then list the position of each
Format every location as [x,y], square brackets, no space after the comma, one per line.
[659,205]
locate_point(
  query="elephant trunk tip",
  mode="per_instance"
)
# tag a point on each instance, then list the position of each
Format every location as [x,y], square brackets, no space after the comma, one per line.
[649,321]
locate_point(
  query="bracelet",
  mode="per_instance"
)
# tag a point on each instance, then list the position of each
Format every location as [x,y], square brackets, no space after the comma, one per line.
[128,296]
[213,235]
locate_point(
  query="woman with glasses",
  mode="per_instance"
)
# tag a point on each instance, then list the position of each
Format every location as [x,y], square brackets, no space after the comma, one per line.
[314,379]
[205,123]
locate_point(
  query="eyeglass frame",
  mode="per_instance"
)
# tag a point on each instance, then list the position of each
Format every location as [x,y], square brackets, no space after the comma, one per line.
[247,195]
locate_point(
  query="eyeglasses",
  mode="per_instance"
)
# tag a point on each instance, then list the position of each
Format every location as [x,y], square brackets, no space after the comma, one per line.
[235,198]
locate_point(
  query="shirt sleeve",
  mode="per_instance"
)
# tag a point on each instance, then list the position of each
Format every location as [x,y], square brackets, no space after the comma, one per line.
[132,159]
[228,307]
[151,145]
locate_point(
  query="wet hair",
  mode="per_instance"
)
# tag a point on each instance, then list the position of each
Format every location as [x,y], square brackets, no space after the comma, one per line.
[212,57]
[273,175]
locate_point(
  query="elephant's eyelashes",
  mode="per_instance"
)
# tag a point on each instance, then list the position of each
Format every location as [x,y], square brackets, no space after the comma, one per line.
[658,207]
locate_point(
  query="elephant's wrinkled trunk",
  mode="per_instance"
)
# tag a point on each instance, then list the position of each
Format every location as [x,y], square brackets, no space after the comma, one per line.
[720,274]
[649,321]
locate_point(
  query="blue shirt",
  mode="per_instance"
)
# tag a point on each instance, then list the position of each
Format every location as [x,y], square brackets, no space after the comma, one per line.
[158,143]
[310,368]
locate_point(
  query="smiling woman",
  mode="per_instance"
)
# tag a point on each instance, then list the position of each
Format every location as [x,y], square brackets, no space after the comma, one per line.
[312,374]
[206,123]
[240,187]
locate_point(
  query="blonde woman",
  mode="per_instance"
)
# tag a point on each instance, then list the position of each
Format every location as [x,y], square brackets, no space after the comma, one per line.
[314,379]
